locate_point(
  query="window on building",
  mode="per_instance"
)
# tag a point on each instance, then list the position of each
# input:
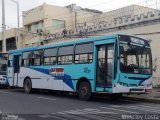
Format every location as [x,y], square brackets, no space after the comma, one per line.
[29,28]
[11,43]
[27,45]
[65,55]
[83,55]
[50,56]
[38,26]
[58,23]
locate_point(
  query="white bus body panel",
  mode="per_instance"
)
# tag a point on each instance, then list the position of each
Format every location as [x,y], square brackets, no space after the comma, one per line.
[10,76]
[41,80]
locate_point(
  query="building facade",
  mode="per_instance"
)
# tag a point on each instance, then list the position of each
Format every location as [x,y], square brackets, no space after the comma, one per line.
[45,20]
[11,41]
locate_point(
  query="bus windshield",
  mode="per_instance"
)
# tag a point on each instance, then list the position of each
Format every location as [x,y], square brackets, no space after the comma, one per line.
[3,64]
[135,59]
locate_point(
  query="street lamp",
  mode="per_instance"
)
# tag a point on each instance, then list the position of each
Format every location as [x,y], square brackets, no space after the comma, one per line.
[17,38]
[3,28]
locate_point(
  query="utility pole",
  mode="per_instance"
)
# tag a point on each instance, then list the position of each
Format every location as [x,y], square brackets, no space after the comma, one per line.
[3,28]
[75,19]
[18,36]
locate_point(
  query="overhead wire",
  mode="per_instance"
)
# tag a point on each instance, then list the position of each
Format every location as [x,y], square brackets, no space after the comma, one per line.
[71,25]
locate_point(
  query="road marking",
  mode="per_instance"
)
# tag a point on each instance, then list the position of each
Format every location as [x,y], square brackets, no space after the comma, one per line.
[146,106]
[5,92]
[119,110]
[69,116]
[46,98]
[115,106]
[87,111]
[45,116]
[144,109]
[57,117]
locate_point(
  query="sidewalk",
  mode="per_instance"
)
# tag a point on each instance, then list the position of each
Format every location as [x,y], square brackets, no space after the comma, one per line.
[153,97]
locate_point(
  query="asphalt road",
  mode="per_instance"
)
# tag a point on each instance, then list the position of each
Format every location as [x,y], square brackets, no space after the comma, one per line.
[14,103]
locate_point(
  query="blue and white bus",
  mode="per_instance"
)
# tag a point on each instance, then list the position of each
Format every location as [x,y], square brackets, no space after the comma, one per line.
[3,69]
[115,64]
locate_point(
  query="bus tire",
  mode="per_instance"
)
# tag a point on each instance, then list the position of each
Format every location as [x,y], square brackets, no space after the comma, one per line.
[84,91]
[27,85]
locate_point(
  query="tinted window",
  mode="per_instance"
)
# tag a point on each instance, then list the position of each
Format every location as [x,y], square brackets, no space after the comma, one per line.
[84,53]
[50,52]
[37,57]
[84,48]
[66,50]
[27,55]
[38,54]
[65,55]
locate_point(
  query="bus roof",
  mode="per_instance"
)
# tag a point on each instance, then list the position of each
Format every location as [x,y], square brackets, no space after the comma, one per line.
[83,40]
[64,43]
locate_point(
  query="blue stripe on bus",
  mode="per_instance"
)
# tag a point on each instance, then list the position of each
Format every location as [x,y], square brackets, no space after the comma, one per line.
[66,78]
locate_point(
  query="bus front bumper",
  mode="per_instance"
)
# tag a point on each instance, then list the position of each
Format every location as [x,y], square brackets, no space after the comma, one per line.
[117,88]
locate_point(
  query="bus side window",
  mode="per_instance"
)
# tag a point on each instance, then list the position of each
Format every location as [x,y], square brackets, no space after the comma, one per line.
[46,61]
[10,58]
[65,55]
[53,60]
[26,58]
[37,57]
[83,55]
[25,62]
[50,56]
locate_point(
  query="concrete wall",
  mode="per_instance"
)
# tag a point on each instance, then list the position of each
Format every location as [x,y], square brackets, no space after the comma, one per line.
[45,14]
[33,15]
[9,33]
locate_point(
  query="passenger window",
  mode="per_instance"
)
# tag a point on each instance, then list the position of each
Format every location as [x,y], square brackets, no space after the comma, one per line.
[50,56]
[37,57]
[10,58]
[65,55]
[26,58]
[83,55]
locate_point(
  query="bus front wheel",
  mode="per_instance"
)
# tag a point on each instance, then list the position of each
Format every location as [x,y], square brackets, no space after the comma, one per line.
[85,91]
[27,85]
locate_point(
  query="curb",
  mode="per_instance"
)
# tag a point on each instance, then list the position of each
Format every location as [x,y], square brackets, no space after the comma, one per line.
[142,99]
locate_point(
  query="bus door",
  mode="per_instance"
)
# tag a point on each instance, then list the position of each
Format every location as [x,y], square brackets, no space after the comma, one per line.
[16,69]
[105,58]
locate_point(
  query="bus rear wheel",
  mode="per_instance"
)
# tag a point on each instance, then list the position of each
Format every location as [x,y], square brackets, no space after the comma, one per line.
[85,91]
[27,85]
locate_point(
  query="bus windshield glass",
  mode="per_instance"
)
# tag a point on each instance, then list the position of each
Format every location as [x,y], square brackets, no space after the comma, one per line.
[135,59]
[3,63]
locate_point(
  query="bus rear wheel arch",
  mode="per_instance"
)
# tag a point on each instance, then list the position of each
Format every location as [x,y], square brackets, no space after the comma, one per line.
[84,89]
[27,85]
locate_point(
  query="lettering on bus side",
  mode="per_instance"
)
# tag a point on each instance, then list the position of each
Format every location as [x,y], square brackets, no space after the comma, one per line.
[57,71]
[87,70]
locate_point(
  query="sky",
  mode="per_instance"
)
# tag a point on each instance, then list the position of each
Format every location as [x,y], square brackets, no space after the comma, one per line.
[102,5]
